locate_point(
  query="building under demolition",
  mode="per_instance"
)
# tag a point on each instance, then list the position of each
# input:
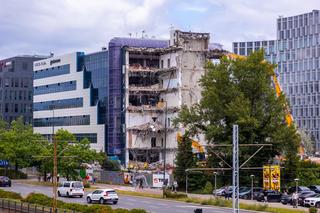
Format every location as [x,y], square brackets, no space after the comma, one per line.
[157,82]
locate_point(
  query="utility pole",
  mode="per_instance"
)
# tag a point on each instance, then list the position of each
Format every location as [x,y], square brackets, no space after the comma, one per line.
[235,170]
[165,147]
[55,165]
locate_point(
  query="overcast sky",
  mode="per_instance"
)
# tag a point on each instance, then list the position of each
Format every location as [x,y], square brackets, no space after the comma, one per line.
[62,26]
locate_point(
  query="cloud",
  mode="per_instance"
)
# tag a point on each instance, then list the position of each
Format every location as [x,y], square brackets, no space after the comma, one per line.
[61,26]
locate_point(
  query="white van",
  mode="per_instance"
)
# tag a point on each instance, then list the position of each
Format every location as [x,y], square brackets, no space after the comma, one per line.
[71,189]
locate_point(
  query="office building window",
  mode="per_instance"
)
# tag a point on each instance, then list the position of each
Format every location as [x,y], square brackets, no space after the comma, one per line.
[54,71]
[53,88]
[63,121]
[58,104]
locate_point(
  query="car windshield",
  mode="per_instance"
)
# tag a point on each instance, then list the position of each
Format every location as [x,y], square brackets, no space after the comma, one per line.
[303,188]
[243,189]
[77,185]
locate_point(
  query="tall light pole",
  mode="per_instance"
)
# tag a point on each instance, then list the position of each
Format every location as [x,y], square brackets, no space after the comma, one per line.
[215,183]
[55,165]
[297,184]
[165,147]
[252,177]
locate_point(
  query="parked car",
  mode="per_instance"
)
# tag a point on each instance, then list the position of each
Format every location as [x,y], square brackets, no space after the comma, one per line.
[315,188]
[246,194]
[102,196]
[300,189]
[71,189]
[5,181]
[305,195]
[219,192]
[312,201]
[272,196]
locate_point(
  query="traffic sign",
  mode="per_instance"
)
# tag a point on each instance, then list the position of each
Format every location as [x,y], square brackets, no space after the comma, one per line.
[4,163]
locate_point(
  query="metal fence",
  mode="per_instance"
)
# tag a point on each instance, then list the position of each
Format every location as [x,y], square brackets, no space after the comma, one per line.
[8,206]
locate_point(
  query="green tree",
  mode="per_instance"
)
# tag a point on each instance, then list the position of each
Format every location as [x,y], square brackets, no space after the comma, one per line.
[184,160]
[241,92]
[18,143]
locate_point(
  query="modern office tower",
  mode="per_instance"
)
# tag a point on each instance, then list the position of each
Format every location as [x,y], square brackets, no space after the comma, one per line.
[298,51]
[70,92]
[156,78]
[16,87]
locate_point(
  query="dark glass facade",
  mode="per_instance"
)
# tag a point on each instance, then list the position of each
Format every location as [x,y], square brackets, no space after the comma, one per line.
[16,86]
[50,72]
[52,88]
[62,121]
[58,104]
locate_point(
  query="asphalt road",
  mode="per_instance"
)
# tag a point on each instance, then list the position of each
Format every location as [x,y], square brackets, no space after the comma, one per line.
[128,202]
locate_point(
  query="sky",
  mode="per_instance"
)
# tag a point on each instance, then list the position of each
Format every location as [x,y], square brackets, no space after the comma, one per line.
[63,26]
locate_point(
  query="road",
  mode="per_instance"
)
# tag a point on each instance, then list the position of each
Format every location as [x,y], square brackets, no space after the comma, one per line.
[129,202]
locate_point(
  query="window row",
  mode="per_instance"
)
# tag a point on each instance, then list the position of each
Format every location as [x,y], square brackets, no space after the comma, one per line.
[53,71]
[307,41]
[298,77]
[304,100]
[298,21]
[15,95]
[305,111]
[15,108]
[52,88]
[92,137]
[62,121]
[16,82]
[58,104]
[308,124]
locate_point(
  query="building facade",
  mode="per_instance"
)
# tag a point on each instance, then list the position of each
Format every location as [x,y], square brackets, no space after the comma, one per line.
[157,78]
[16,87]
[298,67]
[70,92]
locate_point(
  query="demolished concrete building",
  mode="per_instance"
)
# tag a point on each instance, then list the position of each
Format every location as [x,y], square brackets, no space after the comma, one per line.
[157,82]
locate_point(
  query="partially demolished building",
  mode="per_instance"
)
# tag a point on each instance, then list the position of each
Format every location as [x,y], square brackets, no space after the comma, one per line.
[157,82]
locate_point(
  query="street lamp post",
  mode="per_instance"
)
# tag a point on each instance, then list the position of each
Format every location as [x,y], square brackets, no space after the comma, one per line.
[165,147]
[252,177]
[297,184]
[55,165]
[215,183]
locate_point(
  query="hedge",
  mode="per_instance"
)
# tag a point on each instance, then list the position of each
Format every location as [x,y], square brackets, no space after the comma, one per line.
[169,194]
[13,174]
[10,195]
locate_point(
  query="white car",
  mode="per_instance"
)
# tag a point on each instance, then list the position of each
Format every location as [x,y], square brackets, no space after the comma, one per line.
[102,196]
[71,189]
[312,201]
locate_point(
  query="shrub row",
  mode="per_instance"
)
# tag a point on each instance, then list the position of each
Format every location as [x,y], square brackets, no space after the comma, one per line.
[170,194]
[10,195]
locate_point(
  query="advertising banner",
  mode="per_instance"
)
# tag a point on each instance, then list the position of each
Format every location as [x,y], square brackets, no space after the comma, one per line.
[271,177]
[157,180]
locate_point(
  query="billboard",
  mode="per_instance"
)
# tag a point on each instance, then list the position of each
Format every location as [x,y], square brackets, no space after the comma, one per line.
[271,177]
[157,180]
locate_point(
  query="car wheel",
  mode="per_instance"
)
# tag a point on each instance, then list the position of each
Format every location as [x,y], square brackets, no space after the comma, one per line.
[59,194]
[245,197]
[115,202]
[89,200]
[101,201]
[317,205]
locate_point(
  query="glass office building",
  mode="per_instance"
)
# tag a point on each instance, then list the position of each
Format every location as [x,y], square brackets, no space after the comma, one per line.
[297,52]
[70,92]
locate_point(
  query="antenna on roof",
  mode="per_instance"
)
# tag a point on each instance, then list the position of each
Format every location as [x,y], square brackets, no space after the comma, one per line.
[130,34]
[142,32]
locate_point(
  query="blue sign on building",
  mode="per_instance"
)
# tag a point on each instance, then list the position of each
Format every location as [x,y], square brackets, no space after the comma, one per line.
[4,163]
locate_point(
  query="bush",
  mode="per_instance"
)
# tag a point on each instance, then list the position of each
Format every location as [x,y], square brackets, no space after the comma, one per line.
[13,174]
[10,195]
[169,194]
[208,188]
[313,210]
[138,211]
[87,185]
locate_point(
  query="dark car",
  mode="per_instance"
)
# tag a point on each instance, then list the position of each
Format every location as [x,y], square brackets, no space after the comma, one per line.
[305,195]
[272,196]
[315,188]
[246,194]
[5,181]
[300,189]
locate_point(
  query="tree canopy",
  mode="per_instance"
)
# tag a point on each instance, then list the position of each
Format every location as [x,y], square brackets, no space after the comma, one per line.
[241,92]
